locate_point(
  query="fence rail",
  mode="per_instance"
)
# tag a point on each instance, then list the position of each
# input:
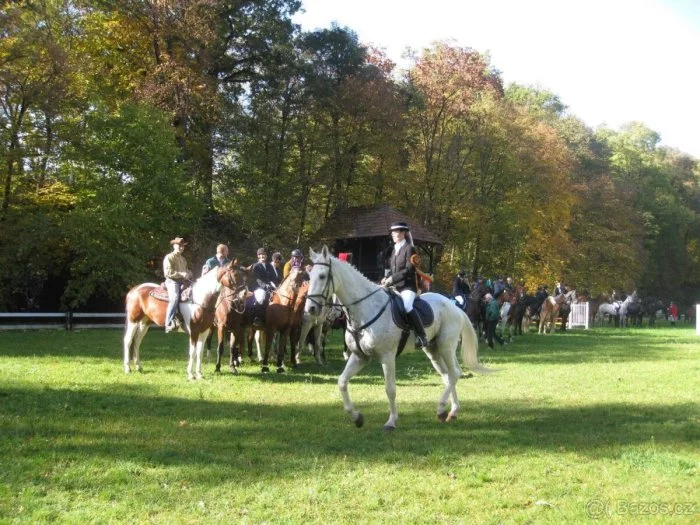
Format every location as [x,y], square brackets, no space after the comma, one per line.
[67,320]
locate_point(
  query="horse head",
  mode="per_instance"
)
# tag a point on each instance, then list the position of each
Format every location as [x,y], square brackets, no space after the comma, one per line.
[321,284]
[232,276]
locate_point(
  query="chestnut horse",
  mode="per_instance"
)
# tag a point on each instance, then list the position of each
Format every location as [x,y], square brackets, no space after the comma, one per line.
[550,310]
[278,318]
[142,309]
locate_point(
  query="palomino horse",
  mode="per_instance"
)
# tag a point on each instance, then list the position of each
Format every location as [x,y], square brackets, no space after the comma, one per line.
[142,309]
[550,310]
[371,332]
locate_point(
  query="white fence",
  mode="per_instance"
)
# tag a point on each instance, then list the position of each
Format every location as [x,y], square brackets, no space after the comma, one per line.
[67,320]
[579,315]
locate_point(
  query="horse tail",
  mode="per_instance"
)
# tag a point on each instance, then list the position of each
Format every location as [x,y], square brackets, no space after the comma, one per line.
[470,348]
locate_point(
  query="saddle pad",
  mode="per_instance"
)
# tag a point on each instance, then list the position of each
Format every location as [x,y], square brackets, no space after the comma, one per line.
[398,312]
[161,293]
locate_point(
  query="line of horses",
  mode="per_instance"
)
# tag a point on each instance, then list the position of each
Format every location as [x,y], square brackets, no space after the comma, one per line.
[221,303]
[518,310]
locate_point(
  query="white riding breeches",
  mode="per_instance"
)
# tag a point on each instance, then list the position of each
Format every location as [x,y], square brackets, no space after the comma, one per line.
[259,295]
[408,297]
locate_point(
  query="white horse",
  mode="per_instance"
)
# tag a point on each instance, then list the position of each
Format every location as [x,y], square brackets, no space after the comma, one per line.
[371,332]
[611,309]
[503,323]
[625,305]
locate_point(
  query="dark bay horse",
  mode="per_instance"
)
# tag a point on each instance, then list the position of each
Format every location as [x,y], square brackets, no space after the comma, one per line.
[229,322]
[475,308]
[144,308]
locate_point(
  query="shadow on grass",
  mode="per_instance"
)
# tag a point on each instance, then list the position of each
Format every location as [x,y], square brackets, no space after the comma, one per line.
[131,424]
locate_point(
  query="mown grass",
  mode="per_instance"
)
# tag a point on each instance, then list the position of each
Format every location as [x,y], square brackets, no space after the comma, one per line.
[604,415]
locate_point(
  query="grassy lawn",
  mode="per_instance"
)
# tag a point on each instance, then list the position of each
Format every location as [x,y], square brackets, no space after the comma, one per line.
[572,425]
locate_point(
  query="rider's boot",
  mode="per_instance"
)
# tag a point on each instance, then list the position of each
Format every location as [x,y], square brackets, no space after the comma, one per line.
[417,324]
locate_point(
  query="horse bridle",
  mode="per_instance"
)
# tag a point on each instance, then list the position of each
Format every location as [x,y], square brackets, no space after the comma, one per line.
[327,293]
[324,294]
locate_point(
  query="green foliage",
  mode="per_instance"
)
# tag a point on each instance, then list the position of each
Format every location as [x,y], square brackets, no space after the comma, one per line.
[124,123]
[133,196]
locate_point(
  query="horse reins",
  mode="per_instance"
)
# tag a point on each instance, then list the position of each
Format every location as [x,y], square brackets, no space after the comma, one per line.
[326,296]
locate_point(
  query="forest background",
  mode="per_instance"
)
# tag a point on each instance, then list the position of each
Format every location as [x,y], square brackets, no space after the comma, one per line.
[124,123]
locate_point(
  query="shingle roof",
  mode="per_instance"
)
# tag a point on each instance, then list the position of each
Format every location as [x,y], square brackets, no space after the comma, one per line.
[370,221]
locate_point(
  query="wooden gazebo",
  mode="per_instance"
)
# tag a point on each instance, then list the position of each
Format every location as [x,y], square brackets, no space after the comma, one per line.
[364,233]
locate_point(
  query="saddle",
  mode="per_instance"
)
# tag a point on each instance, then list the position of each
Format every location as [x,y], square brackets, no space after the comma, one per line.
[398,312]
[161,293]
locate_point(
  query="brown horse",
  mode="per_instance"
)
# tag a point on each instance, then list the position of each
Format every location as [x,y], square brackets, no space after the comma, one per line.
[279,317]
[229,322]
[295,327]
[144,308]
[550,310]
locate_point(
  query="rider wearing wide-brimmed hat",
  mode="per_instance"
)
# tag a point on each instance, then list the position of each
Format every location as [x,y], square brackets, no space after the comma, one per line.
[175,272]
[402,275]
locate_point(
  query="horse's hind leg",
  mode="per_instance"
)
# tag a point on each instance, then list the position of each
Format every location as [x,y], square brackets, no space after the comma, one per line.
[444,362]
[129,340]
[353,366]
[141,331]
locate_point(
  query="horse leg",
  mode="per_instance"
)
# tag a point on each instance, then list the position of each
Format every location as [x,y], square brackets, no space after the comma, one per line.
[257,345]
[449,378]
[190,363]
[129,340]
[353,366]
[221,335]
[389,367]
[281,348]
[199,347]
[318,344]
[141,332]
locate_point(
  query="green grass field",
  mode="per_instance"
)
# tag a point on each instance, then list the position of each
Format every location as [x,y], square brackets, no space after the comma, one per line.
[575,426]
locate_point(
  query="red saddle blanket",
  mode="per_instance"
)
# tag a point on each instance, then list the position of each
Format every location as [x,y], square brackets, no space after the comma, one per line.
[161,293]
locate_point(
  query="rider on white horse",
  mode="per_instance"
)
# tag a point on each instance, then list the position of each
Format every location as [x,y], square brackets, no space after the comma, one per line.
[403,276]
[175,272]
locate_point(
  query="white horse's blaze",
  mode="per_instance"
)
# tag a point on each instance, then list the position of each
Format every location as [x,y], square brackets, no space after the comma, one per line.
[380,339]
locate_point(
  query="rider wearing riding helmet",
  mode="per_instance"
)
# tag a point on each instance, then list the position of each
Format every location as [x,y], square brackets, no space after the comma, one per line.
[296,261]
[402,275]
[262,285]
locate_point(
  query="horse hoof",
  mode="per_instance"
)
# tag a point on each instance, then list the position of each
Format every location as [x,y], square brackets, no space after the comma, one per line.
[217,370]
[442,417]
[265,369]
[139,368]
[280,370]
[127,370]
[359,421]
[200,377]
[389,428]
[451,417]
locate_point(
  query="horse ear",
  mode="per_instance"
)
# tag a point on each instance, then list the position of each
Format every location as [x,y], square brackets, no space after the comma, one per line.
[324,252]
[312,253]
